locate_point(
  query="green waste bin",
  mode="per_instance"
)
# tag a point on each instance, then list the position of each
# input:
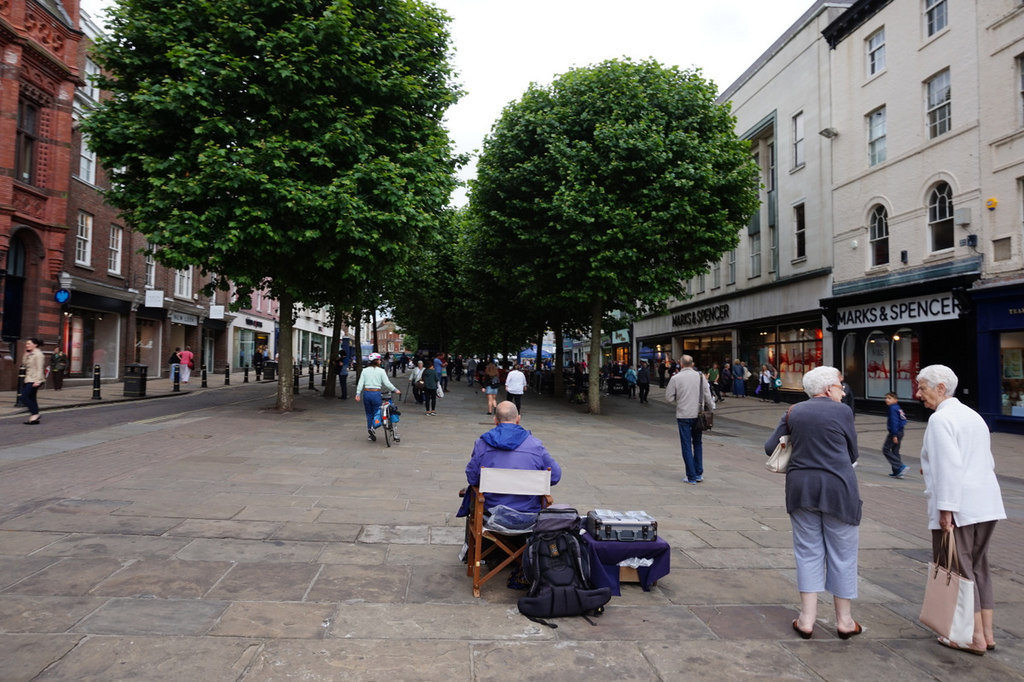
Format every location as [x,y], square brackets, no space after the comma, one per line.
[135,380]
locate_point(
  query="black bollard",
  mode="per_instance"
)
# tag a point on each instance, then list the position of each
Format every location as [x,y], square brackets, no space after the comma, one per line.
[21,384]
[295,379]
[245,376]
[227,376]
[203,375]
[311,387]
[96,382]
[176,379]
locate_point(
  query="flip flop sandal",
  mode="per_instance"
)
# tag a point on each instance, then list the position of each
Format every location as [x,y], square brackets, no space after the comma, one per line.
[949,644]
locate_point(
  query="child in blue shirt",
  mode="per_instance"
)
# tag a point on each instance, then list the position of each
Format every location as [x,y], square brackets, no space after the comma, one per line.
[895,424]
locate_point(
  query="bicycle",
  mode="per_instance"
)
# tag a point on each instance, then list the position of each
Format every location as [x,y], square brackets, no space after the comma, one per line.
[388,418]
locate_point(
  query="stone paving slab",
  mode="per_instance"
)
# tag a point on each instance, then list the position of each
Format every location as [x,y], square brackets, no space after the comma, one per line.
[24,656]
[131,617]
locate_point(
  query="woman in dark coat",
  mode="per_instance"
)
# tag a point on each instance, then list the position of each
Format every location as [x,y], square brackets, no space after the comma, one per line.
[822,499]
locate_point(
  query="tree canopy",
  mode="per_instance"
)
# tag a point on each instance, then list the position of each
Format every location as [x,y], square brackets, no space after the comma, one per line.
[610,187]
[291,144]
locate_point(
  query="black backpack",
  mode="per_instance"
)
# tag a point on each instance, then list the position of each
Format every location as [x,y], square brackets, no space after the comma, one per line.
[558,569]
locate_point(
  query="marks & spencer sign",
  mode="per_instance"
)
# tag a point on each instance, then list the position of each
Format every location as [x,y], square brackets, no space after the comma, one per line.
[904,311]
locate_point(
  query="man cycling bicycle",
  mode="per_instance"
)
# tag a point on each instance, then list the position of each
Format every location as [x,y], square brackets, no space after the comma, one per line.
[371,381]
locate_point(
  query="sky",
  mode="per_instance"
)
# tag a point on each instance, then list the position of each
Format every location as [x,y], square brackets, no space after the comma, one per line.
[501,46]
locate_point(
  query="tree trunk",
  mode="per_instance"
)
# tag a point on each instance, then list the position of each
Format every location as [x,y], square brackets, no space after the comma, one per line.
[376,348]
[594,363]
[559,379]
[358,351]
[330,390]
[285,356]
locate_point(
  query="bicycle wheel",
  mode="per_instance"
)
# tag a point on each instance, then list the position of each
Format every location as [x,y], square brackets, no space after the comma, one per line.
[394,433]
[386,428]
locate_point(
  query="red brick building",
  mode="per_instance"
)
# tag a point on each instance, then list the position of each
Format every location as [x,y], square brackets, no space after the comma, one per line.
[39,72]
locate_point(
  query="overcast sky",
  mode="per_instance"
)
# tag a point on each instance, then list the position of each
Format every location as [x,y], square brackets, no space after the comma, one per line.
[504,45]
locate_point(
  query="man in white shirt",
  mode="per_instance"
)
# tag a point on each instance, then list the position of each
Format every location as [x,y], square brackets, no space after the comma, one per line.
[515,384]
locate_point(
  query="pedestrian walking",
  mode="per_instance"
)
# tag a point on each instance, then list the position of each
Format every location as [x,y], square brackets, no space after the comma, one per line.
[371,380]
[515,386]
[187,364]
[687,389]
[343,375]
[630,377]
[35,375]
[895,423]
[643,381]
[58,364]
[492,382]
[431,381]
[174,362]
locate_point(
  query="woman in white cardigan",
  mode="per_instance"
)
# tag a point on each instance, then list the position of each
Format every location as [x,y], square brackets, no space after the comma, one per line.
[963,492]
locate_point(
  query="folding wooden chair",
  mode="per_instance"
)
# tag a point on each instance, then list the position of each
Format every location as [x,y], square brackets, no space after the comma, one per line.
[508,481]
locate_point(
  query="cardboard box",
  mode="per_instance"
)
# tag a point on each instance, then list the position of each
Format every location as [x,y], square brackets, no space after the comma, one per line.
[628,575]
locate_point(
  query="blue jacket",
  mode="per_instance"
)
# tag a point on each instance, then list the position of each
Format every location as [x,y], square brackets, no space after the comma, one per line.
[510,446]
[897,419]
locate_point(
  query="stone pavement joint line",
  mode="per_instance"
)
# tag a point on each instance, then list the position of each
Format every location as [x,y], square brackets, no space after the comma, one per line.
[237,543]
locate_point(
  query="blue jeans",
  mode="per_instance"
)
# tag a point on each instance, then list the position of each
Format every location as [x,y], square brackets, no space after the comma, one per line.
[371,403]
[739,387]
[692,442]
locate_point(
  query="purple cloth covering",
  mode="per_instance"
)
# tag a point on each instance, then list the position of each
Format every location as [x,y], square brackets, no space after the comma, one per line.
[605,556]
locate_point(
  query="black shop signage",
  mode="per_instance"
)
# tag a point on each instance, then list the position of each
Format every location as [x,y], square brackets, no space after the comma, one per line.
[701,316]
[932,308]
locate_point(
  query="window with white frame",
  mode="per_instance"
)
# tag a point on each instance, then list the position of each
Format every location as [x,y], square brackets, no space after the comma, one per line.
[25,143]
[939,107]
[879,236]
[716,274]
[150,267]
[83,240]
[798,140]
[940,217]
[935,16]
[701,283]
[799,232]
[1020,88]
[90,89]
[86,162]
[183,282]
[755,254]
[730,267]
[114,250]
[876,52]
[876,137]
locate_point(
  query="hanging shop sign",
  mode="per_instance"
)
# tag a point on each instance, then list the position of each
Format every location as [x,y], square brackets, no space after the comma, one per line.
[934,308]
[154,298]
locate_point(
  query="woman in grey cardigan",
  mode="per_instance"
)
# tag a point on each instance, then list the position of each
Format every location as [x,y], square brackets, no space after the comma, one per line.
[822,499]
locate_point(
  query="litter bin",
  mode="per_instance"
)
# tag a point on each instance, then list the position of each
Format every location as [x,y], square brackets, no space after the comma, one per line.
[269,370]
[135,380]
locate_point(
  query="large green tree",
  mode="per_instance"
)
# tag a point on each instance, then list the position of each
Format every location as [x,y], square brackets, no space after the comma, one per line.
[289,144]
[612,186]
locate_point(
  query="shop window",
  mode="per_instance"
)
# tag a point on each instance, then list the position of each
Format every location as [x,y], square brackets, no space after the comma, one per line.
[1011,353]
[907,361]
[891,363]
[877,365]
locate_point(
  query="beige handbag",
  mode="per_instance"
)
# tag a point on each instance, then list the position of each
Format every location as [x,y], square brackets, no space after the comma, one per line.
[948,606]
[778,461]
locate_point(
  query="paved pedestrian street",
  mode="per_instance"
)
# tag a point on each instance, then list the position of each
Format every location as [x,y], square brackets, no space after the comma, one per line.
[237,543]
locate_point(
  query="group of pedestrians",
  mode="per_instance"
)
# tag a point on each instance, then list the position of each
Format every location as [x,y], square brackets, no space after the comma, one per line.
[824,504]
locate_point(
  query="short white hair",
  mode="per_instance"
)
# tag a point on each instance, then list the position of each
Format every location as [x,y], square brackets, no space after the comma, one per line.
[819,379]
[933,375]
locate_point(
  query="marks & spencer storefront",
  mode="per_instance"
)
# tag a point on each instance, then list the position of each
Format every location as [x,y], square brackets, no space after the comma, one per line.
[1000,358]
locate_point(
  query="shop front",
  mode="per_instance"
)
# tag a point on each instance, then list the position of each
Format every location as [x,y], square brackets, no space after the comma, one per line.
[149,351]
[91,333]
[884,341]
[1000,359]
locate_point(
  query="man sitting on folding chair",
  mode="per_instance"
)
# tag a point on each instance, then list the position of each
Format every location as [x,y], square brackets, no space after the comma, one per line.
[507,446]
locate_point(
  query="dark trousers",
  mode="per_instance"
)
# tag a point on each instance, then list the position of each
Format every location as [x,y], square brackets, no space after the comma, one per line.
[58,378]
[892,450]
[429,399]
[645,389]
[692,446]
[28,397]
[343,381]
[516,398]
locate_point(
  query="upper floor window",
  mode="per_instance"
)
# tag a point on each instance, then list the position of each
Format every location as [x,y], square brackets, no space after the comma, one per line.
[755,254]
[716,275]
[798,140]
[730,267]
[25,144]
[935,15]
[87,162]
[939,106]
[879,236]
[799,231]
[701,283]
[114,250]
[876,51]
[91,71]
[183,282]
[1020,88]
[940,217]
[876,137]
[83,240]
[150,267]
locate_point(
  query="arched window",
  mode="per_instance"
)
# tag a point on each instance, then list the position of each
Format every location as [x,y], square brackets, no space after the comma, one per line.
[940,217]
[879,236]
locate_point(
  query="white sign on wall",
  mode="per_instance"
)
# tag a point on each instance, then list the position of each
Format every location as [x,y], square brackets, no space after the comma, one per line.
[932,308]
[154,298]
[216,312]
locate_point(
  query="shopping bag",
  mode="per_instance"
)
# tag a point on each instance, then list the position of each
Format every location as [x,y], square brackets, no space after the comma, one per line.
[440,391]
[948,606]
[778,461]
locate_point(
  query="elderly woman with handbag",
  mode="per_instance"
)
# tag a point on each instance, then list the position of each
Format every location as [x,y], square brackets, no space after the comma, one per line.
[963,493]
[822,499]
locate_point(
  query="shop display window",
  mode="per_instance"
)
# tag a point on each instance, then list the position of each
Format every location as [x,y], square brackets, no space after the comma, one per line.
[1011,355]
